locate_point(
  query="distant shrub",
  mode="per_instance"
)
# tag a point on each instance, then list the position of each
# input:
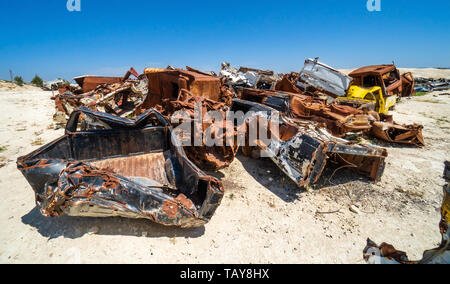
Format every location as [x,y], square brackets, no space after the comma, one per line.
[37,81]
[19,80]
[64,80]
[420,94]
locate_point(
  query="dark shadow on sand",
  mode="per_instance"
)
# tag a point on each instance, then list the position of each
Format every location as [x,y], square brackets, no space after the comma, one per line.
[76,227]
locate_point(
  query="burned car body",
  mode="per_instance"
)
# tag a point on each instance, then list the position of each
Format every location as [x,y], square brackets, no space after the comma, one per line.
[166,84]
[385,76]
[401,134]
[110,166]
[301,149]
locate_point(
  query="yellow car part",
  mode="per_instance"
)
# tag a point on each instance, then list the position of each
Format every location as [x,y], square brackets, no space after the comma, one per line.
[446,204]
[372,95]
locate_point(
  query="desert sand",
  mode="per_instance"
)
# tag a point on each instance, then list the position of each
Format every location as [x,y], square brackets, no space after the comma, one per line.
[263,218]
[6,86]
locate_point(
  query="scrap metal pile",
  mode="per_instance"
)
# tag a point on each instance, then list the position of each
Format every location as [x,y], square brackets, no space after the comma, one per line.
[301,149]
[428,85]
[245,77]
[123,153]
[114,95]
[327,96]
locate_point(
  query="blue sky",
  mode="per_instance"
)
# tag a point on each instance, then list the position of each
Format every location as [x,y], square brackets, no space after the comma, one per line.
[108,37]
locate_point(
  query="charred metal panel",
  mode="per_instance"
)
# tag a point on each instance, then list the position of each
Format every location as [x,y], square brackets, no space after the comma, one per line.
[90,82]
[288,83]
[395,133]
[408,85]
[323,78]
[166,84]
[277,100]
[206,157]
[128,168]
[302,158]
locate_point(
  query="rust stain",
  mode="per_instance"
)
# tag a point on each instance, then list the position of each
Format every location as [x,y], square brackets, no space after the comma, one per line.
[170,208]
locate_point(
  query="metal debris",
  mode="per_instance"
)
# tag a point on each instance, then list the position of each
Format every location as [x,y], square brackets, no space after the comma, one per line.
[335,115]
[88,83]
[245,77]
[206,157]
[121,98]
[288,84]
[110,166]
[429,85]
[121,157]
[301,149]
[401,134]
[339,120]
[174,90]
[167,83]
[53,85]
[320,80]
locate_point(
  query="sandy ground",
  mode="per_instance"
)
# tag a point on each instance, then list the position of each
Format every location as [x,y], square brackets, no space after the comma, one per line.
[264,218]
[6,86]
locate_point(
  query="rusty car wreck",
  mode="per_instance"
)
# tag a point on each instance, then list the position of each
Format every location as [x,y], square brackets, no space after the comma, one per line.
[301,148]
[339,120]
[386,76]
[317,93]
[111,166]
